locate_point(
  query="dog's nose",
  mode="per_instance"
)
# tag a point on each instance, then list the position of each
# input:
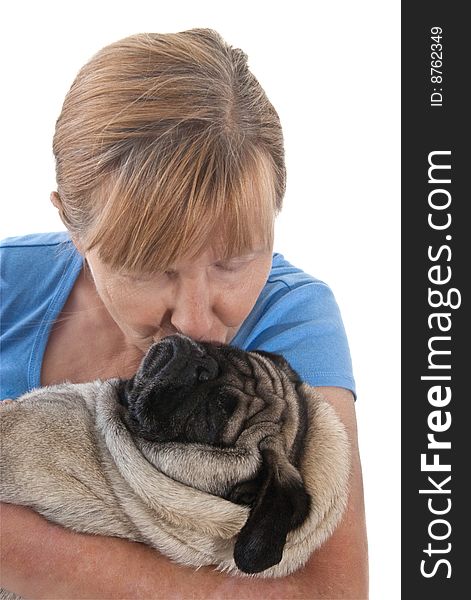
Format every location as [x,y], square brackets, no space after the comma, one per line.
[183,343]
[189,361]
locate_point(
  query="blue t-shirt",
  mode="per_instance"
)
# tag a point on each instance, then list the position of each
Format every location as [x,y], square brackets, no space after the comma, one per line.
[295,314]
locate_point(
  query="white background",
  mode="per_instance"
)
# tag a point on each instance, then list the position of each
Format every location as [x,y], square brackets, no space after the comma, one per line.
[332,71]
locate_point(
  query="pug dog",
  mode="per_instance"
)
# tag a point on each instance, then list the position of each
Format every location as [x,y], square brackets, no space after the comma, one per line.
[210,454]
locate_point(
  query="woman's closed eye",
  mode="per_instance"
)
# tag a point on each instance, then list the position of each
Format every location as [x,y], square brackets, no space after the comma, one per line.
[233,265]
[140,277]
[230,268]
[224,267]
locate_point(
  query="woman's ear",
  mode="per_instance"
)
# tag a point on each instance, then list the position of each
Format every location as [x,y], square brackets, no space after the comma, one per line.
[281,505]
[56,200]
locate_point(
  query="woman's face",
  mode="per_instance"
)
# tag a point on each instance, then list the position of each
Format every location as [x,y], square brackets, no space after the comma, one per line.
[206,298]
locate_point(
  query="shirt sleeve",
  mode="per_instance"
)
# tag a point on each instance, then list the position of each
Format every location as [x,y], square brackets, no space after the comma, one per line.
[302,322]
[37,272]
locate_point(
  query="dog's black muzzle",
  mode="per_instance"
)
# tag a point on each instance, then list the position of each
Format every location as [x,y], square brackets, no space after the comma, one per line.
[176,394]
[179,360]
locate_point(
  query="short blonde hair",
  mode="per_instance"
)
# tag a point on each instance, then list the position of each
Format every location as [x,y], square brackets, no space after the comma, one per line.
[165,143]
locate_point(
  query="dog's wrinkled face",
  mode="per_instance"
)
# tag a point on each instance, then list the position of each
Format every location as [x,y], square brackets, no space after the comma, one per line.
[187,391]
[200,392]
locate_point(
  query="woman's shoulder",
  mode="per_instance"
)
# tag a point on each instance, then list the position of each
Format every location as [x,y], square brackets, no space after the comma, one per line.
[34,257]
[291,288]
[37,274]
[296,315]
[36,240]
[283,270]
[39,262]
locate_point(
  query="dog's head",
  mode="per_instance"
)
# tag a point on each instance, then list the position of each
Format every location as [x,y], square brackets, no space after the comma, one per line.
[206,393]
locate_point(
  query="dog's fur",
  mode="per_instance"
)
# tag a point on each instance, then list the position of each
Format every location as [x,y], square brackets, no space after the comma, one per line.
[212,455]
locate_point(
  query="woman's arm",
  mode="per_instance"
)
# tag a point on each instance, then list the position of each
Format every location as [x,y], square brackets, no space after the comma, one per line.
[42,560]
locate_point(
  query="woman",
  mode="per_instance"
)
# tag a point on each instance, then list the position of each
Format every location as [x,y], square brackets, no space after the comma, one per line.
[170,172]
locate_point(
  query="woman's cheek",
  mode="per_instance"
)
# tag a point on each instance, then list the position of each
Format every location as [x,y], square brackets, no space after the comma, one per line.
[234,305]
[138,310]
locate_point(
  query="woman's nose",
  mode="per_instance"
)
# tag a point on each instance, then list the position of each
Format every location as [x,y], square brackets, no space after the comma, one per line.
[192,312]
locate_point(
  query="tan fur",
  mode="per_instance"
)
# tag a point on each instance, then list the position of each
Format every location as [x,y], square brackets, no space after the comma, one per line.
[164,495]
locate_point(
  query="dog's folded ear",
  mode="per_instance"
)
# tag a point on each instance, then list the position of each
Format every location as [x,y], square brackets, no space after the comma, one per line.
[281,505]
